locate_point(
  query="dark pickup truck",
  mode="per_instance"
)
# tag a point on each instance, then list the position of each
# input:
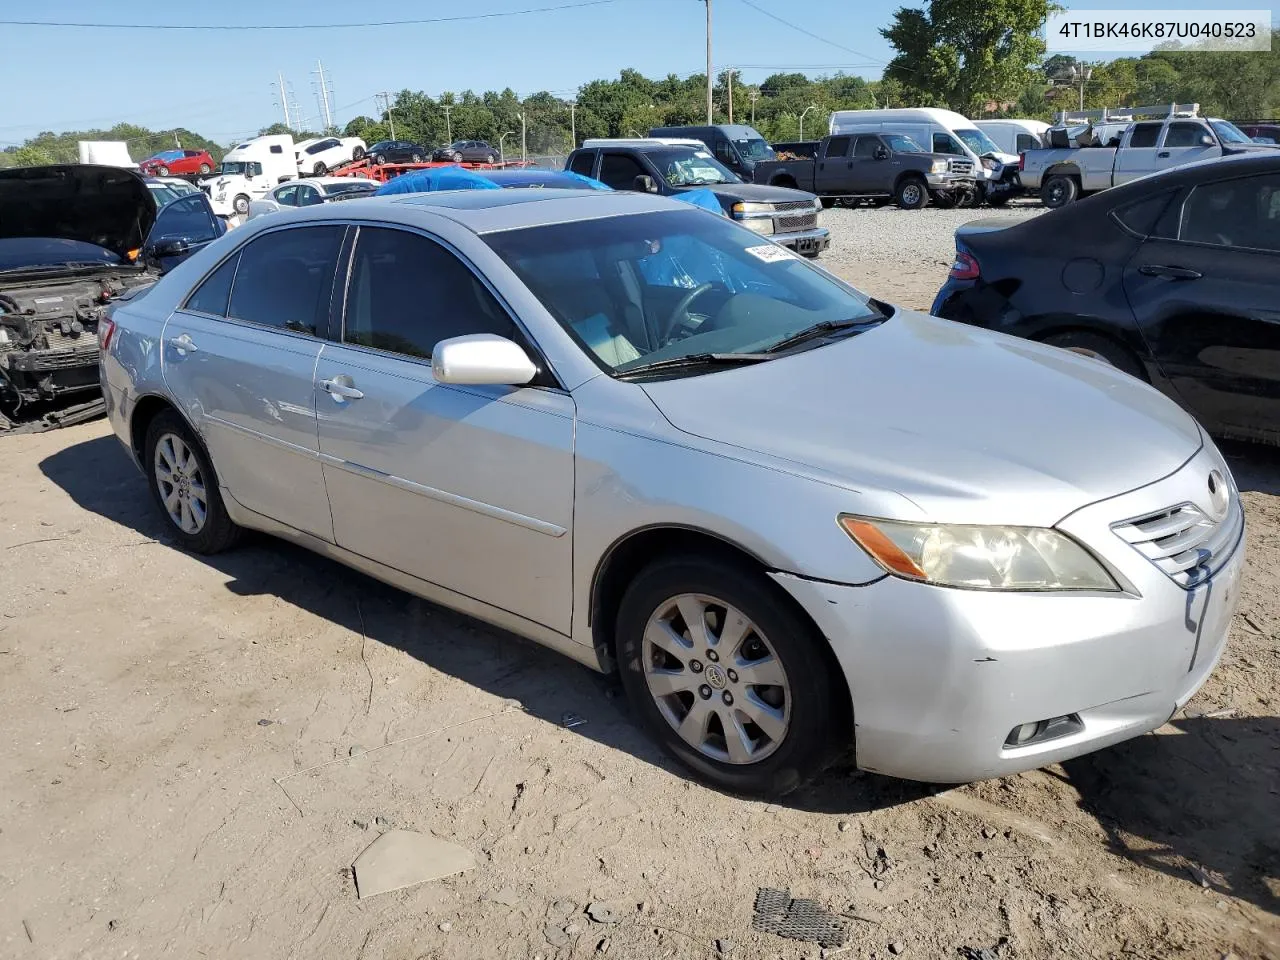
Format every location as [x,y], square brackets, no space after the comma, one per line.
[874,166]
[670,167]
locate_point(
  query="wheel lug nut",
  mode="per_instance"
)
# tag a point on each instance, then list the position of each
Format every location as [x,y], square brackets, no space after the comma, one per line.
[733,676]
[705,691]
[695,666]
[728,699]
[712,656]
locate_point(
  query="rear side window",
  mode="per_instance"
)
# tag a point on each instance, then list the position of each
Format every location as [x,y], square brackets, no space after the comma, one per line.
[1184,135]
[582,162]
[212,294]
[1145,135]
[408,293]
[1139,217]
[285,278]
[838,146]
[1242,213]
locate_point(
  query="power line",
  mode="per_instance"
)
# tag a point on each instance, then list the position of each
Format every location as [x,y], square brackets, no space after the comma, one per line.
[308,26]
[809,33]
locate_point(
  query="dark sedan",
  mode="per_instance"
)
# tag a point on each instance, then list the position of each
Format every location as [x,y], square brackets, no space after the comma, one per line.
[468,151]
[396,151]
[1174,278]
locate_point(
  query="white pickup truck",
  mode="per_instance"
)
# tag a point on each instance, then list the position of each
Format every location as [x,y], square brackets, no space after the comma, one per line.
[1061,175]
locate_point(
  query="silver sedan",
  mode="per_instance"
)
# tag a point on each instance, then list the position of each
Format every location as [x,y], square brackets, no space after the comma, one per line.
[794,518]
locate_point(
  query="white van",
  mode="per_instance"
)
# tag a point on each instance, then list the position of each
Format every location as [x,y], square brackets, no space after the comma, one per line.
[1015,136]
[941,131]
[248,171]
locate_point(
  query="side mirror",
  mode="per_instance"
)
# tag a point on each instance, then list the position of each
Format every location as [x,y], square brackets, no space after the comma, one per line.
[645,184]
[881,153]
[481,358]
[1207,141]
[169,247]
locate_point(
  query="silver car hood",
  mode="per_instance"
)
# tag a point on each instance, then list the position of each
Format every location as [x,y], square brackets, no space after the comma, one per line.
[970,426]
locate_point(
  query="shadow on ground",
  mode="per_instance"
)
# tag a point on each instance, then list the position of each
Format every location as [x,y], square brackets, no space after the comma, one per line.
[100,478]
[1255,467]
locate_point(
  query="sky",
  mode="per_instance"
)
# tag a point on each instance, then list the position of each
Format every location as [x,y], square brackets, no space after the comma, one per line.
[220,83]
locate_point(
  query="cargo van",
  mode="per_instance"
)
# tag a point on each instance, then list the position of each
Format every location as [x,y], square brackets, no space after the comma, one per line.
[736,145]
[1015,136]
[942,131]
[248,171]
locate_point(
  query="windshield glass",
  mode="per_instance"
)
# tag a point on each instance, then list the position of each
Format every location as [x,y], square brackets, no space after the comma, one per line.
[638,289]
[690,166]
[1228,132]
[240,167]
[355,186]
[162,194]
[900,143]
[977,141]
[755,149]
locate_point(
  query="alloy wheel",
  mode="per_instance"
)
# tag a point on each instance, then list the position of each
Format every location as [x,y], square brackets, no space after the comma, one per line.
[716,679]
[181,484]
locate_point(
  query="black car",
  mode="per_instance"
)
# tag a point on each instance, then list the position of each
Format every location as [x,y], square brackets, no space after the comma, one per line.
[468,151]
[396,151]
[1174,278]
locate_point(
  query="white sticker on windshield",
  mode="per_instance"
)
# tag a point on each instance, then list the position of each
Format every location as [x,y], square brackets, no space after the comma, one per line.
[770,252]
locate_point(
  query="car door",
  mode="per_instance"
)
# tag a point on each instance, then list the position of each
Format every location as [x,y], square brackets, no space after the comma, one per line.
[1206,295]
[1137,157]
[183,227]
[469,488]
[832,170]
[239,357]
[874,167]
[1185,142]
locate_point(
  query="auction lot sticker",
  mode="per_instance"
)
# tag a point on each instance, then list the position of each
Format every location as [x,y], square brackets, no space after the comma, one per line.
[1142,31]
[771,253]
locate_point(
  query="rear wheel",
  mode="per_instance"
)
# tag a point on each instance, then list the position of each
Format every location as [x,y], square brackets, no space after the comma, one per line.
[320,169]
[357,154]
[185,486]
[1059,190]
[492,158]
[1101,348]
[728,676]
[911,194]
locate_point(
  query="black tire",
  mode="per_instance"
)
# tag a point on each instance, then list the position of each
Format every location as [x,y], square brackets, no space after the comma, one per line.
[999,200]
[162,171]
[205,168]
[1059,190]
[319,170]
[357,154]
[240,204]
[818,728]
[911,193]
[218,532]
[944,201]
[1100,348]
[379,159]
[492,158]
[415,158]
[456,157]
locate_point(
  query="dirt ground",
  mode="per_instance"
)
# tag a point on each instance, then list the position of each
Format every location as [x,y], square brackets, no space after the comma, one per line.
[195,750]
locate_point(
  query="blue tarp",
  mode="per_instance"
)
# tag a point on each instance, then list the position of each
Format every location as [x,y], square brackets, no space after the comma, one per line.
[701,198]
[433,179]
[169,155]
[551,179]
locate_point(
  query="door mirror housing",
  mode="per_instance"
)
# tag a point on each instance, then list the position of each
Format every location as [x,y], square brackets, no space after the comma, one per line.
[882,153]
[168,247]
[1206,140]
[482,358]
[645,184]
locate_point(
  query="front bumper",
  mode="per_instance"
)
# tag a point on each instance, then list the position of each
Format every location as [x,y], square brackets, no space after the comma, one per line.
[939,678]
[808,243]
[949,181]
[48,374]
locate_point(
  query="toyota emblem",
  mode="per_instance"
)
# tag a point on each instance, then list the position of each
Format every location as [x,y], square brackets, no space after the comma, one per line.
[1219,496]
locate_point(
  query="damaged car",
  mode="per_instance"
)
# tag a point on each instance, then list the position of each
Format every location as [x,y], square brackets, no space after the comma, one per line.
[74,238]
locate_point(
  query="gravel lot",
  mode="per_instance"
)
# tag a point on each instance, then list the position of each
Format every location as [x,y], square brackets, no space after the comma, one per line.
[195,750]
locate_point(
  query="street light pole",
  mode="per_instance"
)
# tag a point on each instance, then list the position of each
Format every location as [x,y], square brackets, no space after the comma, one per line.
[812,106]
[448,123]
[710,75]
[755,95]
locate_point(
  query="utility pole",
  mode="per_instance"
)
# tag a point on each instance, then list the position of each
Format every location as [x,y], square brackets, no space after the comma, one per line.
[573,125]
[391,121]
[710,75]
[1081,74]
[755,95]
[295,109]
[524,142]
[284,98]
[448,124]
[730,73]
[325,111]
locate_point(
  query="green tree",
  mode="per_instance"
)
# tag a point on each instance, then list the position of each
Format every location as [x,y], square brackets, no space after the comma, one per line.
[961,53]
[31,157]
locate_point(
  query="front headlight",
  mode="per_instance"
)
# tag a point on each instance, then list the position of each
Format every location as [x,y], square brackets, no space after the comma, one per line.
[742,207]
[979,557]
[762,227]
[939,166]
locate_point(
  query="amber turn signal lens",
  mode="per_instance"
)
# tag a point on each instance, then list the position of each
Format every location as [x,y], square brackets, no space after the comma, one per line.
[883,550]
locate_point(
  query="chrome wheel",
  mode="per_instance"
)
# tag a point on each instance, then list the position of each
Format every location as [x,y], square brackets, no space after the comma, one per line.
[181,484]
[716,679]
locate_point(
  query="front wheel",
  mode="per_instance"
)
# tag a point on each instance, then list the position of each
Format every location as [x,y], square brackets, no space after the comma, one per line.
[416,157]
[185,487]
[162,171]
[457,158]
[205,168]
[728,676]
[240,204]
[379,159]
[911,194]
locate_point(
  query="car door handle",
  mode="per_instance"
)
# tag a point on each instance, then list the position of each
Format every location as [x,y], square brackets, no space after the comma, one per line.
[340,389]
[1163,153]
[183,344]
[1169,273]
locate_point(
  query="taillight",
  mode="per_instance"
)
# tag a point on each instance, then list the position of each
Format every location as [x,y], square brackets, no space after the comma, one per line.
[106,330]
[965,266]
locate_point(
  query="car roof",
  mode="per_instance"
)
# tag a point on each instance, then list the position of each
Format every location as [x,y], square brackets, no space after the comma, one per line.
[328,181]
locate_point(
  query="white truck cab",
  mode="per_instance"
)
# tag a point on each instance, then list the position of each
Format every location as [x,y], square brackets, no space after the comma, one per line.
[248,171]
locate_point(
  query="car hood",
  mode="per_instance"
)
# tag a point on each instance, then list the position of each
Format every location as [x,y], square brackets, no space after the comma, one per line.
[968,425]
[109,207]
[753,192]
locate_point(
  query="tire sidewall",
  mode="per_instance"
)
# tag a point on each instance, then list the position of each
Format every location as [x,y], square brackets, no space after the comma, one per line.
[216,516]
[240,204]
[809,741]
[923,194]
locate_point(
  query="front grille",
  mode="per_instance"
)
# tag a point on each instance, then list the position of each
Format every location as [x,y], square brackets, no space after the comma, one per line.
[794,205]
[961,166]
[1185,542]
[34,360]
[790,224]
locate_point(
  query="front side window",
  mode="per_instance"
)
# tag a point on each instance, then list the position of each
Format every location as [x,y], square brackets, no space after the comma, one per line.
[1184,135]
[408,293]
[308,196]
[639,289]
[582,162]
[186,218]
[1144,135]
[866,147]
[1242,213]
[287,196]
[212,294]
[285,278]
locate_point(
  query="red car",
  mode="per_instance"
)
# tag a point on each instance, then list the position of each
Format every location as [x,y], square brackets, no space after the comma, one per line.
[178,161]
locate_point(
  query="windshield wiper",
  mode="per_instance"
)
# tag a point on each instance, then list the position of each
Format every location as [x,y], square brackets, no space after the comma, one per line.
[819,330]
[68,265]
[696,360]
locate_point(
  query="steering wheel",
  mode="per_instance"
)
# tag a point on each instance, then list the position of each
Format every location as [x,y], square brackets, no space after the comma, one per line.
[681,309]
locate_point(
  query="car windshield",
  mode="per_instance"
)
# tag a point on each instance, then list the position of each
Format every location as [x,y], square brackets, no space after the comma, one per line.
[355,186]
[900,143]
[162,193]
[977,141]
[240,167]
[755,149]
[641,289]
[1228,132]
[690,166]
